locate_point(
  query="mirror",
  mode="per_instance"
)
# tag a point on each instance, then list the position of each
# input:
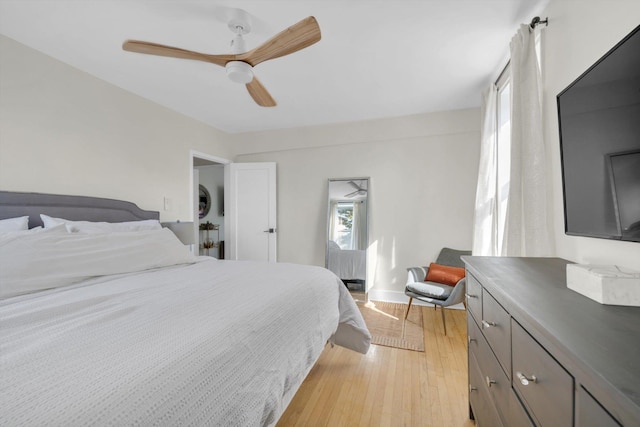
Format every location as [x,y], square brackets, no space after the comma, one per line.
[348,231]
[204,201]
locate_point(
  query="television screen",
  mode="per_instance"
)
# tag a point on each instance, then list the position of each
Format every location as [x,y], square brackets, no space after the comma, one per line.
[599,118]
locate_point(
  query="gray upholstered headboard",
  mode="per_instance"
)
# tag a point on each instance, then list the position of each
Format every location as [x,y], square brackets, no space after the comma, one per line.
[74,208]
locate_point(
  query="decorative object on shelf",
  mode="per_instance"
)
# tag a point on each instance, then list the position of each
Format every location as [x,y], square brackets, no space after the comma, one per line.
[204,201]
[606,284]
[185,231]
[207,243]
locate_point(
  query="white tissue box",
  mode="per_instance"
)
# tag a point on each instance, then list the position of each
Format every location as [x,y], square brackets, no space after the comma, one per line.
[606,284]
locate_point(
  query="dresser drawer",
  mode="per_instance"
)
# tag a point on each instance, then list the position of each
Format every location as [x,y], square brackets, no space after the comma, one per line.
[474,297]
[496,326]
[589,413]
[494,381]
[473,335]
[483,410]
[545,387]
[518,416]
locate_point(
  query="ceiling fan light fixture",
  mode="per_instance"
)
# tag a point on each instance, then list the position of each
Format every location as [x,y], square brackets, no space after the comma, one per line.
[239,72]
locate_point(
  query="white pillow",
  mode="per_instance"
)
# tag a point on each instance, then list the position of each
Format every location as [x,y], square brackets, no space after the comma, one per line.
[49,260]
[14,224]
[6,236]
[89,227]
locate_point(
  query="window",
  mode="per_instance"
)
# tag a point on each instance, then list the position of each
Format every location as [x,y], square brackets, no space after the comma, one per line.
[342,232]
[497,173]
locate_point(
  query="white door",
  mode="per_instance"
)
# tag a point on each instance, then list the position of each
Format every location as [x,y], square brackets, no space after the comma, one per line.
[250,211]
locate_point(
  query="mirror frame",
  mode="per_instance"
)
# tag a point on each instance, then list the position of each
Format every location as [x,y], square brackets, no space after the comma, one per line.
[367,219]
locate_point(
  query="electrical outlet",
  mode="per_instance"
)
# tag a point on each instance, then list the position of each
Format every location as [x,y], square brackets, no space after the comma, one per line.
[167,203]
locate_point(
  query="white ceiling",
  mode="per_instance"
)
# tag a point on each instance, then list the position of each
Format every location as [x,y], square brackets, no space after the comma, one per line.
[376,58]
[338,189]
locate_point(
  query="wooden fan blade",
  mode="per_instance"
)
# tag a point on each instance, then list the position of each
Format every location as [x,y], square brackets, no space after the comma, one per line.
[298,36]
[260,94]
[175,52]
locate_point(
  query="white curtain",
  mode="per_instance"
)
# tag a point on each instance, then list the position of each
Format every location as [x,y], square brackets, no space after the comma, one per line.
[485,220]
[527,230]
[333,209]
[355,226]
[359,228]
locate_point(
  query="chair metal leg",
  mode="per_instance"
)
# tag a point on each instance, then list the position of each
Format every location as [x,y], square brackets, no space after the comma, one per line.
[444,321]
[408,307]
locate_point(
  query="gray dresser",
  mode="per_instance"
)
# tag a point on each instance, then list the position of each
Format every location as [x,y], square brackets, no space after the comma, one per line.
[541,354]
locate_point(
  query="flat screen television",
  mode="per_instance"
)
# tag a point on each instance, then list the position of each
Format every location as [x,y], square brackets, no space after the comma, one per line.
[599,121]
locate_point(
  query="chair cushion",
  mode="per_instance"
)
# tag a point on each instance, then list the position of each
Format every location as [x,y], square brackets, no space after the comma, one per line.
[444,274]
[430,289]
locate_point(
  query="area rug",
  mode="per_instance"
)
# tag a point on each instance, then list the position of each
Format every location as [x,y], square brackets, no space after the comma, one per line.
[386,323]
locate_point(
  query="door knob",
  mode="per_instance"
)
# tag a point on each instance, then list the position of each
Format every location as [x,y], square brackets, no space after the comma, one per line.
[271,230]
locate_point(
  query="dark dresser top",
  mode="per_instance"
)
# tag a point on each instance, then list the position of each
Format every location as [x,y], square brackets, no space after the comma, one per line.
[598,344]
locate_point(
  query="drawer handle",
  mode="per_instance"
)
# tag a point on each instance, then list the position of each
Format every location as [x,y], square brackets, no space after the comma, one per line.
[524,380]
[486,324]
[470,296]
[489,381]
[470,340]
[472,388]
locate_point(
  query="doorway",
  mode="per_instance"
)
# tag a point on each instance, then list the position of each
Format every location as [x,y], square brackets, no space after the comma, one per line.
[207,201]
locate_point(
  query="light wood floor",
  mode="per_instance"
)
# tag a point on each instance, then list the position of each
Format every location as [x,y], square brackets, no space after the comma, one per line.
[389,386]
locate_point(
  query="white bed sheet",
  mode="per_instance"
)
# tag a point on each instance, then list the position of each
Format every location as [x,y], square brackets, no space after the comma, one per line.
[348,264]
[211,343]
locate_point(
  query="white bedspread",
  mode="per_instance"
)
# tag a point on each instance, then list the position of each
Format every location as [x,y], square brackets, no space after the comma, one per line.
[221,343]
[348,264]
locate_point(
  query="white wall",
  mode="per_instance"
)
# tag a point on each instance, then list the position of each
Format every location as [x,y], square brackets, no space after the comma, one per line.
[579,33]
[63,131]
[423,172]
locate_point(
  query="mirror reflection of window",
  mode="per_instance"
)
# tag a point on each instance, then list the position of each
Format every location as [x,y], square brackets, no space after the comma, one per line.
[348,224]
[342,225]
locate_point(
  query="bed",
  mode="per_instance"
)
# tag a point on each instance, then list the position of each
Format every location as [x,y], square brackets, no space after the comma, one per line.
[347,264]
[126,327]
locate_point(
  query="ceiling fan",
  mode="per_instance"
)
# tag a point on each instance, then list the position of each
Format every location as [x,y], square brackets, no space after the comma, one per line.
[360,191]
[239,63]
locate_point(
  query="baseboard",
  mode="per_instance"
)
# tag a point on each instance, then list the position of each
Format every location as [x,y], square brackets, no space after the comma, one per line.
[400,298]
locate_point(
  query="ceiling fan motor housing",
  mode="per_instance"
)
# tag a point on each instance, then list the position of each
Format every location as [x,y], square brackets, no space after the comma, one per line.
[239,72]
